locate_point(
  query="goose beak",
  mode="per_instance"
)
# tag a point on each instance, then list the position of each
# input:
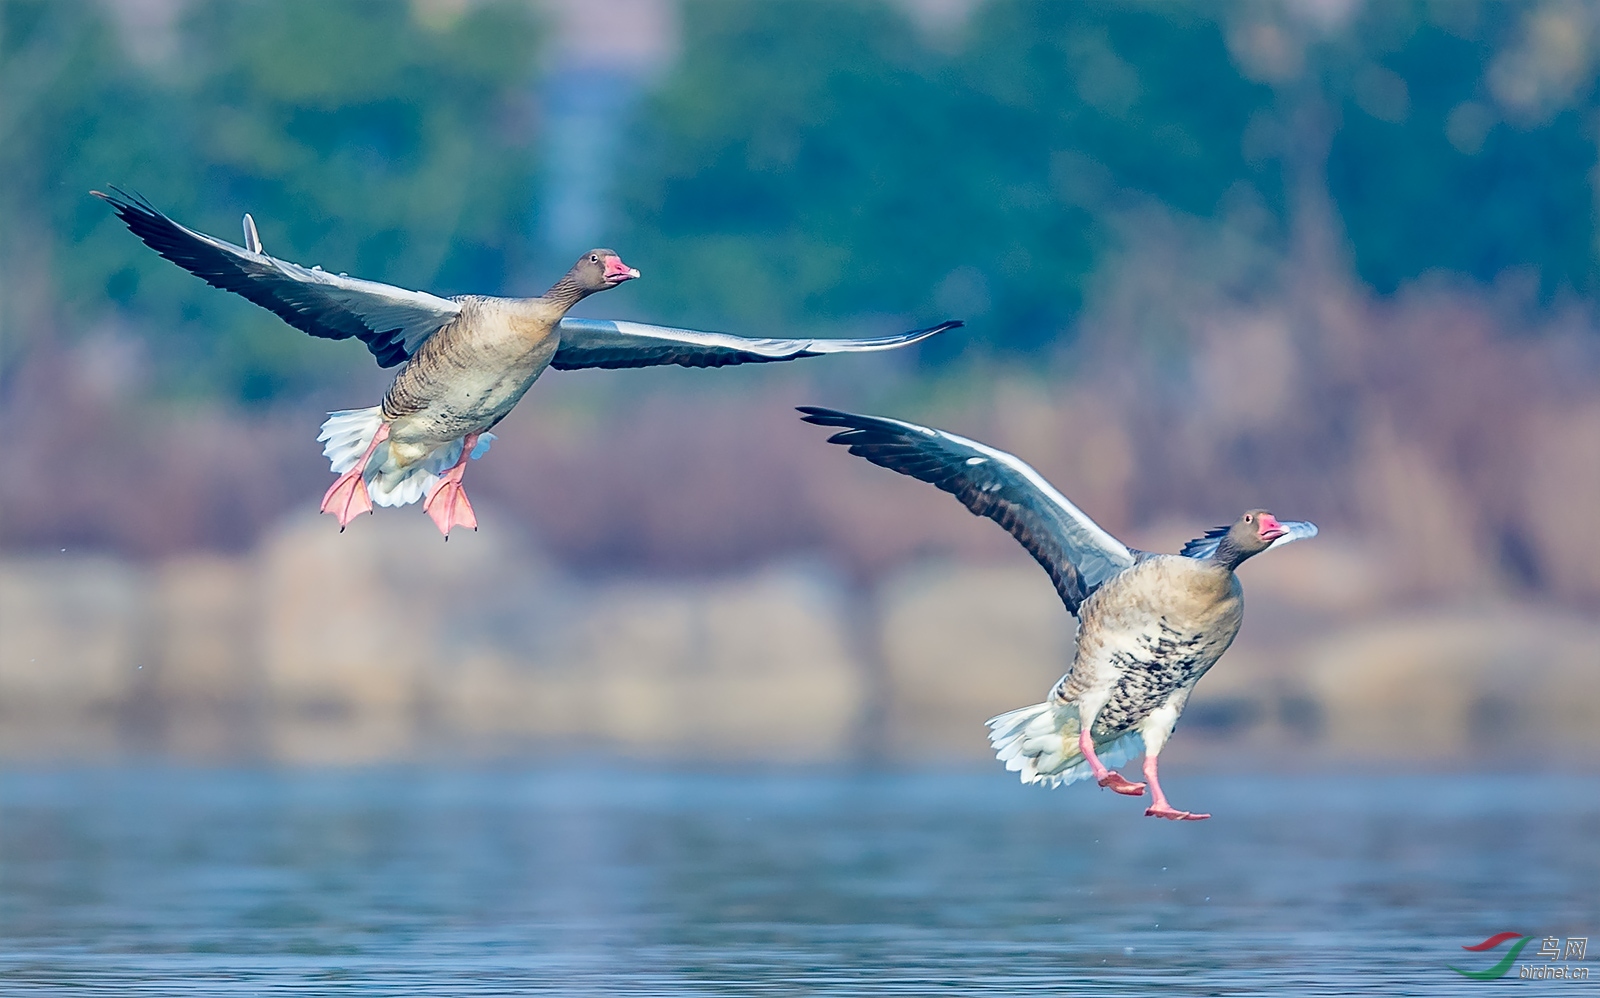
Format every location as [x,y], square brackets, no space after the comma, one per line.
[1271,529]
[1293,530]
[617,271]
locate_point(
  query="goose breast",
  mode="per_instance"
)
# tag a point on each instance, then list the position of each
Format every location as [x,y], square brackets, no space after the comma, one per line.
[467,377]
[1149,633]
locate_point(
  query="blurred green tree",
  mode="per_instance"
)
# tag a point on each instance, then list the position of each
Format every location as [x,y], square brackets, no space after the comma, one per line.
[1465,148]
[803,161]
[388,141]
[809,158]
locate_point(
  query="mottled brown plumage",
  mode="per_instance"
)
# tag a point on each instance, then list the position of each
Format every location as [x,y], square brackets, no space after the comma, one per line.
[459,383]
[469,375]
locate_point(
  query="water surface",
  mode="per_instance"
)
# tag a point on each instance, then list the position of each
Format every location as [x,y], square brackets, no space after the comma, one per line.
[610,882]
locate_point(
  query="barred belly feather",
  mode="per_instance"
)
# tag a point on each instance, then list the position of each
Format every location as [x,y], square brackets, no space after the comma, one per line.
[1147,635]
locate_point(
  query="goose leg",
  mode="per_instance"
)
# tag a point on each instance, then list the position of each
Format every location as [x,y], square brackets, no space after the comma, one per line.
[447,504]
[347,497]
[1159,808]
[1102,775]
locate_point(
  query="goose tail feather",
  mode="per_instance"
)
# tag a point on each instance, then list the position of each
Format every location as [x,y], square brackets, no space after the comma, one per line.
[347,434]
[1040,744]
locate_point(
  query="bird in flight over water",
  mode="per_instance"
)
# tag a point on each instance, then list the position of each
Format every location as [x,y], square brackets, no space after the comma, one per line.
[465,361]
[1149,625]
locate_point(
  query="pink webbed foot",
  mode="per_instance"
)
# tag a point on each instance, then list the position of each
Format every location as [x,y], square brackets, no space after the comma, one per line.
[447,504]
[1103,776]
[1115,781]
[1159,808]
[347,498]
[447,507]
[1165,810]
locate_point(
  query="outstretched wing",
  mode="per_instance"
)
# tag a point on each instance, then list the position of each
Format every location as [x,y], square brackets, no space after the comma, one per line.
[1077,552]
[614,343]
[391,321]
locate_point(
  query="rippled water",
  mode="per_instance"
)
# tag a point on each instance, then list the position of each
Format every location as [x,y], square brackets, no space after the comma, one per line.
[469,882]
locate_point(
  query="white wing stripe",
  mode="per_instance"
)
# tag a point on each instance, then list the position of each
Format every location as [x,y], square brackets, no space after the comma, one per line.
[252,239]
[768,346]
[1116,553]
[588,343]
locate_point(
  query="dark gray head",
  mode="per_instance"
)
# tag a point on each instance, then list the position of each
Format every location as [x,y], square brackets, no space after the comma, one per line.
[600,269]
[1253,532]
[596,270]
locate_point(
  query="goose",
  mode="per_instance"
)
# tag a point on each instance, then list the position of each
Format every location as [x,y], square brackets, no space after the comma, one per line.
[464,361]
[1149,625]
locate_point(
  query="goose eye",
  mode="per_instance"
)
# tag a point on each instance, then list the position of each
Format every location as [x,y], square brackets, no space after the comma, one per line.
[1248,518]
[594,258]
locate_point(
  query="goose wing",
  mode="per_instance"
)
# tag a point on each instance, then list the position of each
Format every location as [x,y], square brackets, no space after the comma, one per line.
[391,321]
[1077,552]
[615,343]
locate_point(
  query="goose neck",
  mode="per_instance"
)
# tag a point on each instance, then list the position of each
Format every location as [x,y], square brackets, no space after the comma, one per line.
[1229,555]
[566,292]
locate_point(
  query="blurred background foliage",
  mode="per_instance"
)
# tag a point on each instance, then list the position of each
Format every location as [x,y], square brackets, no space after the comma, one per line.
[855,167]
[807,163]
[362,138]
[1330,255]
[1466,143]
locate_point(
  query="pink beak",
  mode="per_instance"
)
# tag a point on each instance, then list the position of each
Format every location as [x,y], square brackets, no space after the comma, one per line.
[1271,529]
[617,271]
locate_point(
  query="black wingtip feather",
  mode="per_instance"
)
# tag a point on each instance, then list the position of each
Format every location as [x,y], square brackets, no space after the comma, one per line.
[823,416]
[126,203]
[857,431]
[150,224]
[853,426]
[918,335]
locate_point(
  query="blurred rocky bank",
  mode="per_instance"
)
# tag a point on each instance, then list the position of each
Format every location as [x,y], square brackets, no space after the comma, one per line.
[383,643]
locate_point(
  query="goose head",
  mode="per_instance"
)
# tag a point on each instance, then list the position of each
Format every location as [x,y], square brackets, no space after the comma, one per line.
[600,269]
[1255,531]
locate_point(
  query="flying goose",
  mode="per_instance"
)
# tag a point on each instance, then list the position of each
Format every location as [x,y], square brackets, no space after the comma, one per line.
[1149,625]
[466,360]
